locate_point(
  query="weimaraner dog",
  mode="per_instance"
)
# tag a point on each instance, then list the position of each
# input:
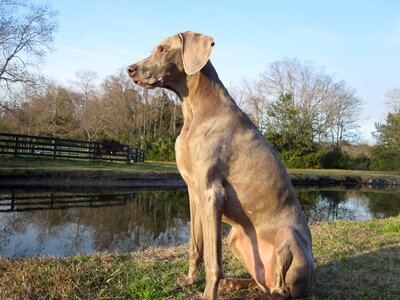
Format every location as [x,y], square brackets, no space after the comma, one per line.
[233,175]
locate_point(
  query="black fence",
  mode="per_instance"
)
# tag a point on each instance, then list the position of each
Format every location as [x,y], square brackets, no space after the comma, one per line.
[29,145]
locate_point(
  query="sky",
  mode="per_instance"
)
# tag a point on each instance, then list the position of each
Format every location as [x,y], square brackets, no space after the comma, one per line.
[355,41]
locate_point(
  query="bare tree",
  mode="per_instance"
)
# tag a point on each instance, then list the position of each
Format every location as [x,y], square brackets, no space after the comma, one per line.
[86,104]
[307,86]
[344,108]
[121,107]
[26,35]
[49,113]
[328,109]
[393,100]
[252,101]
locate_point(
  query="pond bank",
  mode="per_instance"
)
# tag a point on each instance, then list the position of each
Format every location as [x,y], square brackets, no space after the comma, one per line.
[354,260]
[133,179]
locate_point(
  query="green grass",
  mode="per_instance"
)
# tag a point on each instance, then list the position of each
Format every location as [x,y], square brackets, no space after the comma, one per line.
[353,261]
[9,164]
[342,172]
[391,228]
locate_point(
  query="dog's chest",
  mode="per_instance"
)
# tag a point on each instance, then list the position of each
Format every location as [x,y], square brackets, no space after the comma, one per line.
[182,158]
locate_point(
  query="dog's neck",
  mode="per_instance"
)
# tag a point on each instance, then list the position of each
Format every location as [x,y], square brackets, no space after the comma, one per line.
[202,90]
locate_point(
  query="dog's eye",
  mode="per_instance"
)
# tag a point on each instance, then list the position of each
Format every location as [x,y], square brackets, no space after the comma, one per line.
[161,49]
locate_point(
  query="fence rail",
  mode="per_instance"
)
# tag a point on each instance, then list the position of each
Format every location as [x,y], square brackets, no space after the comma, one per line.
[30,145]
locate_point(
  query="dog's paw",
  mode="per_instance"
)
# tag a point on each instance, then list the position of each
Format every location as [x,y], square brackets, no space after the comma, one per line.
[236,283]
[185,281]
[278,296]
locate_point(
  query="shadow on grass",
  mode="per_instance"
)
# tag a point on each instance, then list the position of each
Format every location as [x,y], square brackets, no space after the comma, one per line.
[373,275]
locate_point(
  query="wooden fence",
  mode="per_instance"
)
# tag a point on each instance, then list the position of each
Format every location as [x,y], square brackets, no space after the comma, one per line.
[35,146]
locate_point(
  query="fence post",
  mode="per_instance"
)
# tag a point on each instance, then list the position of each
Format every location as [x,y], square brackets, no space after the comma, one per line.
[30,147]
[94,145]
[16,146]
[128,155]
[54,149]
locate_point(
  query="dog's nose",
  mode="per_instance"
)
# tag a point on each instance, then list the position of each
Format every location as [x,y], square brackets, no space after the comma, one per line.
[131,69]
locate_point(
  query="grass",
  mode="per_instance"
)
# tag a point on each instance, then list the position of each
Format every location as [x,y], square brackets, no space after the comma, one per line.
[353,261]
[342,174]
[339,176]
[9,164]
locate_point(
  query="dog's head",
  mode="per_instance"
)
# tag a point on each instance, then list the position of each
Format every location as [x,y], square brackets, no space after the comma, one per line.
[173,59]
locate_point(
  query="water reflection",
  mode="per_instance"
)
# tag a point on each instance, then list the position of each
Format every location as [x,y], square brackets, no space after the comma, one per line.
[91,223]
[41,223]
[355,205]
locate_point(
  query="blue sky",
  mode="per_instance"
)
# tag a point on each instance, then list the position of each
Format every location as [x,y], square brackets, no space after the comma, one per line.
[356,41]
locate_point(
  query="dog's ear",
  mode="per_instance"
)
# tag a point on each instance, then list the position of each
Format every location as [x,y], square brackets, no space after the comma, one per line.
[196,50]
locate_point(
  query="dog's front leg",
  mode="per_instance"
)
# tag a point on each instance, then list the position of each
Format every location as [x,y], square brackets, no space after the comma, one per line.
[196,244]
[211,205]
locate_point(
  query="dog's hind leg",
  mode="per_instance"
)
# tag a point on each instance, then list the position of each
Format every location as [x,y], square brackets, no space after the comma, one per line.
[293,265]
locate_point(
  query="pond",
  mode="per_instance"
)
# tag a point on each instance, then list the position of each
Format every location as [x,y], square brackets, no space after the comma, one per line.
[61,223]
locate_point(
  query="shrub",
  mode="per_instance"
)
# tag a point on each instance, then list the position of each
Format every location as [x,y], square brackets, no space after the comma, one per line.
[334,158]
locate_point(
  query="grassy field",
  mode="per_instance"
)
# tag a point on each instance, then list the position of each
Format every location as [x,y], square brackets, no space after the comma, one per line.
[8,164]
[353,261]
[342,172]
[41,164]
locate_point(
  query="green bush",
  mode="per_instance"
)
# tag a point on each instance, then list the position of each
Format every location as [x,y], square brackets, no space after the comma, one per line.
[384,158]
[296,158]
[325,157]
[386,154]
[360,163]
[159,149]
[334,158]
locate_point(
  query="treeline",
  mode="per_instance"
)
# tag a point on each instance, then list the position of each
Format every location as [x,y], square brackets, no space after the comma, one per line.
[313,121]
[386,152]
[309,118]
[113,109]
